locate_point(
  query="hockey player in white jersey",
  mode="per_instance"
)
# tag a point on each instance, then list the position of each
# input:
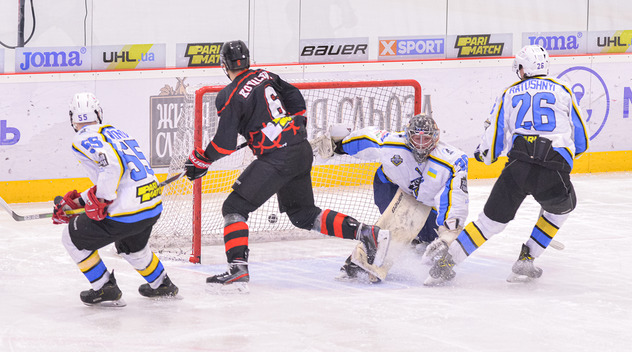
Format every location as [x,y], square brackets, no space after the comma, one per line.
[120,208]
[538,121]
[417,162]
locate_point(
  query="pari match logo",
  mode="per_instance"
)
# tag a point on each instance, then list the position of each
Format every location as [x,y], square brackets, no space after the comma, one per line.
[593,98]
[203,54]
[477,46]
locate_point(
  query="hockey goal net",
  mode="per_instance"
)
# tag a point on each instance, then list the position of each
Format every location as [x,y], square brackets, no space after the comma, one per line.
[192,215]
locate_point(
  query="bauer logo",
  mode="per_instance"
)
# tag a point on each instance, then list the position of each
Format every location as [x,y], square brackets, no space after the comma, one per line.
[480,45]
[52,59]
[558,42]
[411,48]
[334,50]
[610,41]
[198,54]
[591,92]
[129,57]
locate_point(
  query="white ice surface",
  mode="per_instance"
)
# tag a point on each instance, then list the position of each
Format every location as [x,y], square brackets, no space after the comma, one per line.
[583,302]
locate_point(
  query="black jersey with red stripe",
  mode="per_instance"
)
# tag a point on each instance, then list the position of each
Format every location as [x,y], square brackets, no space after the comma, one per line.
[261,107]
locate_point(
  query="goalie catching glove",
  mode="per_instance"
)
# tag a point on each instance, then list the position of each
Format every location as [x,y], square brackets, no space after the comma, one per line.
[197,165]
[66,203]
[95,208]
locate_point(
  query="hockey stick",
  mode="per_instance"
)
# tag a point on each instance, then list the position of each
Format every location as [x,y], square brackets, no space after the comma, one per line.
[18,217]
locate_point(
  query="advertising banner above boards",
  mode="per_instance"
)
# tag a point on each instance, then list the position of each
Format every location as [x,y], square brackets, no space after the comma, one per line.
[409,48]
[479,45]
[334,50]
[557,43]
[52,59]
[198,54]
[79,58]
[608,42]
[129,57]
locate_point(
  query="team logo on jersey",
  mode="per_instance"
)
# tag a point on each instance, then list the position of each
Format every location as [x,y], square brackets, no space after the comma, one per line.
[591,93]
[102,160]
[397,160]
[414,184]
[148,192]
[477,45]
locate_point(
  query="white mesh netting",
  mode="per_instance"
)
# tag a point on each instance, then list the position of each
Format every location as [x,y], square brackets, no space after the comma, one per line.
[341,183]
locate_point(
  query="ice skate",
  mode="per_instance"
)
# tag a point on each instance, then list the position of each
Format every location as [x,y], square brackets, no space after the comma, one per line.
[166,289]
[523,269]
[376,242]
[351,272]
[234,280]
[441,271]
[107,296]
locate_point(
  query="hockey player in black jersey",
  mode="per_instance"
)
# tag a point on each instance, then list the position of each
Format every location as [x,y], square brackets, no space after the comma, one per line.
[538,121]
[269,113]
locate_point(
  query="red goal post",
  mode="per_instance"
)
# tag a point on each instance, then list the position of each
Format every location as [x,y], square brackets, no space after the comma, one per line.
[387,104]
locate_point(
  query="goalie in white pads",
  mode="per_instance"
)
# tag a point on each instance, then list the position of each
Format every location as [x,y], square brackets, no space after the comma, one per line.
[538,120]
[120,208]
[416,163]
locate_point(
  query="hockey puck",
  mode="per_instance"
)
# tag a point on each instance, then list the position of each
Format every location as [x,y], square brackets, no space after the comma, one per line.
[272,218]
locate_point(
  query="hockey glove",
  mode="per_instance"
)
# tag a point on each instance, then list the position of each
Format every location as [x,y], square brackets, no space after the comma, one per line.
[197,165]
[96,209]
[66,203]
[478,155]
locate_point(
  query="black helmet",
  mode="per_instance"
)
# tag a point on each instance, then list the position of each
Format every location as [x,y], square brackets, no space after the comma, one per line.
[234,55]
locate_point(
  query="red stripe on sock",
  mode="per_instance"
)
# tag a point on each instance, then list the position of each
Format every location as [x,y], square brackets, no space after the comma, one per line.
[238,226]
[323,221]
[236,242]
[338,225]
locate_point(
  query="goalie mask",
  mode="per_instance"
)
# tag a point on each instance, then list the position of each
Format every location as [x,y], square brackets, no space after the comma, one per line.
[533,59]
[85,107]
[234,55]
[422,136]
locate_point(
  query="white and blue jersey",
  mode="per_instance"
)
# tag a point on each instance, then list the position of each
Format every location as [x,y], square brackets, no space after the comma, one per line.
[119,169]
[538,106]
[440,181]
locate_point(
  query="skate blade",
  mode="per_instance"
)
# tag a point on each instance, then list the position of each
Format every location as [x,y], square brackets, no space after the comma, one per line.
[119,303]
[229,289]
[517,278]
[363,278]
[434,282]
[176,297]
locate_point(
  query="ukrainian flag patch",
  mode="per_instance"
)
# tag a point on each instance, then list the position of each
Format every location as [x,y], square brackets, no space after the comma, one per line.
[432,172]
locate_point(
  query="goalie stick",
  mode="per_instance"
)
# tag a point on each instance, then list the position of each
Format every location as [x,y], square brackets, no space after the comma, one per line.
[18,217]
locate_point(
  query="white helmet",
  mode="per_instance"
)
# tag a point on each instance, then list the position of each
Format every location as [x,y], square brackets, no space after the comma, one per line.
[85,107]
[422,136]
[533,59]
